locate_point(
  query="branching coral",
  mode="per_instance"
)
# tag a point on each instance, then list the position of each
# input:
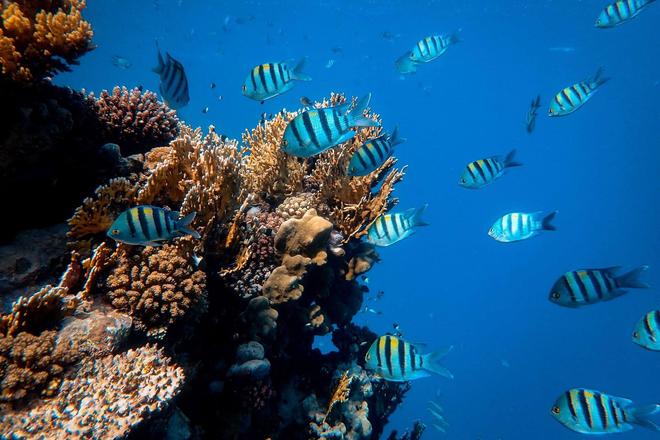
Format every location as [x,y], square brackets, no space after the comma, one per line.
[156,286]
[135,120]
[105,399]
[341,392]
[38,38]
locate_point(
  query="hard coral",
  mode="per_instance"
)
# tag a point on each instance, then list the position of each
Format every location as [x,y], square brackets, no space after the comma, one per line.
[38,39]
[156,286]
[106,398]
[133,119]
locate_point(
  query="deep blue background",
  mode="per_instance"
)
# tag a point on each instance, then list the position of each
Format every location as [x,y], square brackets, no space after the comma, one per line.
[451,283]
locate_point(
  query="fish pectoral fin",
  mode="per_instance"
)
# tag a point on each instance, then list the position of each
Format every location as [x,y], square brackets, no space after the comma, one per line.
[346,137]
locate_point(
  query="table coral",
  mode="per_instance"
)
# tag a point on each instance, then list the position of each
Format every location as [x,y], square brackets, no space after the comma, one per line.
[134,119]
[156,286]
[106,398]
[38,39]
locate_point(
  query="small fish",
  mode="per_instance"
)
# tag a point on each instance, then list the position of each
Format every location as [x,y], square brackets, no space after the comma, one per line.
[647,331]
[530,121]
[370,310]
[518,226]
[404,64]
[587,286]
[173,82]
[620,12]
[314,131]
[562,49]
[150,225]
[592,412]
[268,80]
[330,63]
[430,48]
[337,49]
[398,361]
[121,62]
[391,228]
[481,172]
[213,85]
[365,279]
[304,100]
[205,110]
[373,153]
[389,36]
[219,97]
[573,97]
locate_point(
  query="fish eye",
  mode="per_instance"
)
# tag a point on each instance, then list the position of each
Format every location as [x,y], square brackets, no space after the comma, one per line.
[556,410]
[556,295]
[244,87]
[635,335]
[368,357]
[115,232]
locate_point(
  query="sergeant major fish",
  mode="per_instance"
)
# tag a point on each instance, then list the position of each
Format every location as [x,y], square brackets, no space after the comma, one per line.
[592,412]
[268,80]
[373,153]
[429,48]
[121,62]
[620,12]
[518,226]
[150,225]
[315,130]
[390,228]
[647,331]
[587,286]
[173,82]
[572,98]
[481,172]
[530,121]
[396,360]
[405,65]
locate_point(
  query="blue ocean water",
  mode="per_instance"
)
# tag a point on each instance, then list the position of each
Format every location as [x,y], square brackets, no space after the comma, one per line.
[451,284]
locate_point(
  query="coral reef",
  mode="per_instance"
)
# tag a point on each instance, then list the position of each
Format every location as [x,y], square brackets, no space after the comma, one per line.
[236,311]
[38,39]
[135,120]
[156,286]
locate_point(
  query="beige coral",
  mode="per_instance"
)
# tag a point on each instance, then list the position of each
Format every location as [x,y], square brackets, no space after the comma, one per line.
[156,286]
[105,399]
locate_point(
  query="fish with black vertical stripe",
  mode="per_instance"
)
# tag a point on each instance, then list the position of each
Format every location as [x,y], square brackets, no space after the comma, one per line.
[429,48]
[147,225]
[396,360]
[593,412]
[571,98]
[315,130]
[620,12]
[373,153]
[391,228]
[268,80]
[517,226]
[647,331]
[173,81]
[481,172]
[588,286]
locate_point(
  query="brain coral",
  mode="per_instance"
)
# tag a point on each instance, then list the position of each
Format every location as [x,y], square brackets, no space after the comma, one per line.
[156,286]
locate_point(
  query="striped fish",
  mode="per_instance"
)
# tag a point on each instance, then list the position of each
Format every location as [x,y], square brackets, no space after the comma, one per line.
[373,153]
[396,360]
[315,130]
[390,228]
[173,82]
[530,120]
[150,225]
[647,331]
[518,226]
[620,11]
[268,80]
[481,172]
[587,286]
[405,65]
[429,48]
[592,412]
[573,97]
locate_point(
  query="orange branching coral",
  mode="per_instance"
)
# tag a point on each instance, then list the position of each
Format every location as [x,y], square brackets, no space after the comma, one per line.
[96,214]
[156,286]
[268,170]
[35,313]
[38,39]
[341,393]
[106,398]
